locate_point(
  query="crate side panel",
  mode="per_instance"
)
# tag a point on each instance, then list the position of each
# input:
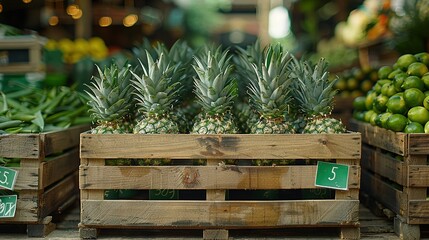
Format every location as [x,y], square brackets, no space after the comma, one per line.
[383,192]
[384,165]
[26,212]
[225,146]
[20,146]
[58,141]
[214,214]
[418,144]
[59,194]
[203,177]
[379,137]
[60,166]
[28,178]
[418,176]
[418,212]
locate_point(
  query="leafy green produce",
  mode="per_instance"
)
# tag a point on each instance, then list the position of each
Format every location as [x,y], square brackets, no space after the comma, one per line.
[35,110]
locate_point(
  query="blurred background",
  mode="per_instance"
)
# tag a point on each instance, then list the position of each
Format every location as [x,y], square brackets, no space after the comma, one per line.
[342,31]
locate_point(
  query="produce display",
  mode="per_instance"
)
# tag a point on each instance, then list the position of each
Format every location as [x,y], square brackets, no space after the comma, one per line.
[272,82]
[399,100]
[356,81]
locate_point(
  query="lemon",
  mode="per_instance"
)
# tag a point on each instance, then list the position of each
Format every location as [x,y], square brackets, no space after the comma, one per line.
[396,122]
[417,69]
[414,127]
[423,57]
[414,97]
[397,104]
[405,60]
[418,114]
[384,71]
[413,82]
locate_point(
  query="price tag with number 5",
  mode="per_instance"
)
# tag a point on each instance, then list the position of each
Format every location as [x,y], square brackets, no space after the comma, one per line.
[7,178]
[332,175]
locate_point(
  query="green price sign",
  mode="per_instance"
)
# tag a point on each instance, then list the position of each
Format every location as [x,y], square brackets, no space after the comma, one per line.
[7,177]
[332,175]
[8,206]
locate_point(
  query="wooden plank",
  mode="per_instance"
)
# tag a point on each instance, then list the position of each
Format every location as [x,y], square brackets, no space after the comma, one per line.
[418,144]
[28,178]
[223,146]
[391,197]
[20,146]
[418,175]
[384,165]
[58,141]
[395,142]
[26,211]
[215,214]
[53,198]
[418,212]
[203,177]
[57,168]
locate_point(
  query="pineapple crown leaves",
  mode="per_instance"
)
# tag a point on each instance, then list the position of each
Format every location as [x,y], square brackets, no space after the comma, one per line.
[109,93]
[270,84]
[214,87]
[154,90]
[314,90]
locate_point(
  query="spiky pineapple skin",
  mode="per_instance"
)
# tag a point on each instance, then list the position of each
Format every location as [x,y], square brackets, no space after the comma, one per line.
[324,125]
[156,125]
[268,126]
[214,125]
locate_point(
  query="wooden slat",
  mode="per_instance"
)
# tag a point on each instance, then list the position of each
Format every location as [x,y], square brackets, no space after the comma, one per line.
[224,146]
[383,192]
[56,169]
[418,212]
[58,141]
[26,211]
[20,146]
[395,142]
[58,194]
[419,176]
[28,178]
[384,165]
[418,144]
[214,214]
[203,177]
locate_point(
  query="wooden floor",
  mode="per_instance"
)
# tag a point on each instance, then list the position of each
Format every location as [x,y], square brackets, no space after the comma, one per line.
[372,227]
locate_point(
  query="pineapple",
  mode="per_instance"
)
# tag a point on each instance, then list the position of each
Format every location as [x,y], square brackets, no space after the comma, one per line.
[155,93]
[315,95]
[215,91]
[269,92]
[110,99]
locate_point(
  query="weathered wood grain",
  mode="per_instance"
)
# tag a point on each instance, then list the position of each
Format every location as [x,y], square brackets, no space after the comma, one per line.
[214,214]
[204,177]
[224,146]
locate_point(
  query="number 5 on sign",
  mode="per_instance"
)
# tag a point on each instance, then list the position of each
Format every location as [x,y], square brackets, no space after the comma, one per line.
[332,175]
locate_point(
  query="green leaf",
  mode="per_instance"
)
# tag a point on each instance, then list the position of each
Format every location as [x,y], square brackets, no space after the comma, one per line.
[39,121]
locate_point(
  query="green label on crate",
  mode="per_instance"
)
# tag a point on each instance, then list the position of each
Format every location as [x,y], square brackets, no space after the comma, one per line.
[8,206]
[7,177]
[332,175]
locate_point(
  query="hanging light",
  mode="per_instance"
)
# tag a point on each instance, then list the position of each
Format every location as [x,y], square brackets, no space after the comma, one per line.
[77,15]
[26,1]
[72,9]
[130,20]
[1,7]
[279,22]
[53,20]
[105,21]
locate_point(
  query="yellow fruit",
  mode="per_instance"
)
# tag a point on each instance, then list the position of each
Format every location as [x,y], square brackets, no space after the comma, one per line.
[405,60]
[417,69]
[418,114]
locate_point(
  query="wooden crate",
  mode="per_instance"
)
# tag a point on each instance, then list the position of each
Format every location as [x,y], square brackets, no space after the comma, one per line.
[398,184]
[215,215]
[47,177]
[21,54]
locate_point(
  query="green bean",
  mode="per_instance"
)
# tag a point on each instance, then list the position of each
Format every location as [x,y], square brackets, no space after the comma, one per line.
[10,124]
